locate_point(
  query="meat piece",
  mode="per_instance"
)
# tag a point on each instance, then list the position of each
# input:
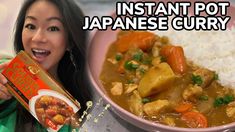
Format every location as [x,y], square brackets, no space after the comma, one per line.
[230,109]
[40,110]
[191,92]
[154,108]
[206,75]
[112,60]
[135,103]
[59,119]
[156,49]
[130,88]
[117,88]
[45,100]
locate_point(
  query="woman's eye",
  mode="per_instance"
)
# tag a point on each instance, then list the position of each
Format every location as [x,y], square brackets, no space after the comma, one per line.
[30,26]
[54,28]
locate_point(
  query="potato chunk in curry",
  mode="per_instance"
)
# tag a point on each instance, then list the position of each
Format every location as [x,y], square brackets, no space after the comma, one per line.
[154,108]
[157,79]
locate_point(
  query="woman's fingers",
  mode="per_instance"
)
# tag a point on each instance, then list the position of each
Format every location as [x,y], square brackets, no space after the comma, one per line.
[4,65]
[4,90]
[4,96]
[3,79]
[4,93]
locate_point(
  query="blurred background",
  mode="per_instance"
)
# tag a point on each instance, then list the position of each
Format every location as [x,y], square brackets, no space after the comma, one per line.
[98,7]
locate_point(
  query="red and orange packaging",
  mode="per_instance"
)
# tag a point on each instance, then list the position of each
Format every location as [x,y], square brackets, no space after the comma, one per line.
[39,93]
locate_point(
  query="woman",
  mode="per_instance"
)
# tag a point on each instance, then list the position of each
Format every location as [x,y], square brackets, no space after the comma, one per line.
[50,32]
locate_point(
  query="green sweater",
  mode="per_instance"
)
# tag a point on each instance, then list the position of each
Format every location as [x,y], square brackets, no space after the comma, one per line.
[8,117]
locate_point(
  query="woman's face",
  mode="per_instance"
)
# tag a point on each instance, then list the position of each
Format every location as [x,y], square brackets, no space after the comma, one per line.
[43,35]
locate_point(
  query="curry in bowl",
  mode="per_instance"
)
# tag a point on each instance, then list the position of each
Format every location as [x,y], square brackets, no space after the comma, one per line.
[150,77]
[52,111]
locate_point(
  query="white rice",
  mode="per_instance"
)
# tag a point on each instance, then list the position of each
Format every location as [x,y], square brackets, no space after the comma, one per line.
[214,50]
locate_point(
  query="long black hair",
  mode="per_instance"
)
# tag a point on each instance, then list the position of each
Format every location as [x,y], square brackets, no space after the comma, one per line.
[72,66]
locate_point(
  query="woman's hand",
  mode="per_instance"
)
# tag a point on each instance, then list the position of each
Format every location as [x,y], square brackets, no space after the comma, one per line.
[4,93]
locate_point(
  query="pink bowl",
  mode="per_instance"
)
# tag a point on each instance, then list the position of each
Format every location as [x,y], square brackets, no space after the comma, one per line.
[96,56]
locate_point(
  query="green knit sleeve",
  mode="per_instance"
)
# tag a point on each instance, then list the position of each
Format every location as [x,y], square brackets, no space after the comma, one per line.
[2,60]
[7,124]
[8,112]
[65,128]
[8,117]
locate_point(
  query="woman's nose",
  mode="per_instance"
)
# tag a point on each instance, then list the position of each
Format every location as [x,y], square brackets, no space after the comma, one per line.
[39,36]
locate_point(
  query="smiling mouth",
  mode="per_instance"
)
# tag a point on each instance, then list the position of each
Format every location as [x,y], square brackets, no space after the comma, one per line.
[40,54]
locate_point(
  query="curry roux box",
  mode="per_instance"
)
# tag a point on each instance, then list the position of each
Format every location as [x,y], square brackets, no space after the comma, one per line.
[45,98]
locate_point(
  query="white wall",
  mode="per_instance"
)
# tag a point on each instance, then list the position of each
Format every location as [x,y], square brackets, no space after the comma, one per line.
[8,13]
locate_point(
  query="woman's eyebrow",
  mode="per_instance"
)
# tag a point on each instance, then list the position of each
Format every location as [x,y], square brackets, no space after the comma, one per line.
[55,18]
[30,17]
[48,19]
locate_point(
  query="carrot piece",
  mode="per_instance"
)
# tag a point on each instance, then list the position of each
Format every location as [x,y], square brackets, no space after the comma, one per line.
[184,107]
[166,50]
[142,40]
[51,112]
[175,58]
[195,119]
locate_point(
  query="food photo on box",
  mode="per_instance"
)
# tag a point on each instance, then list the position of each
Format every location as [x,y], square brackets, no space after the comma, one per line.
[127,65]
[42,96]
